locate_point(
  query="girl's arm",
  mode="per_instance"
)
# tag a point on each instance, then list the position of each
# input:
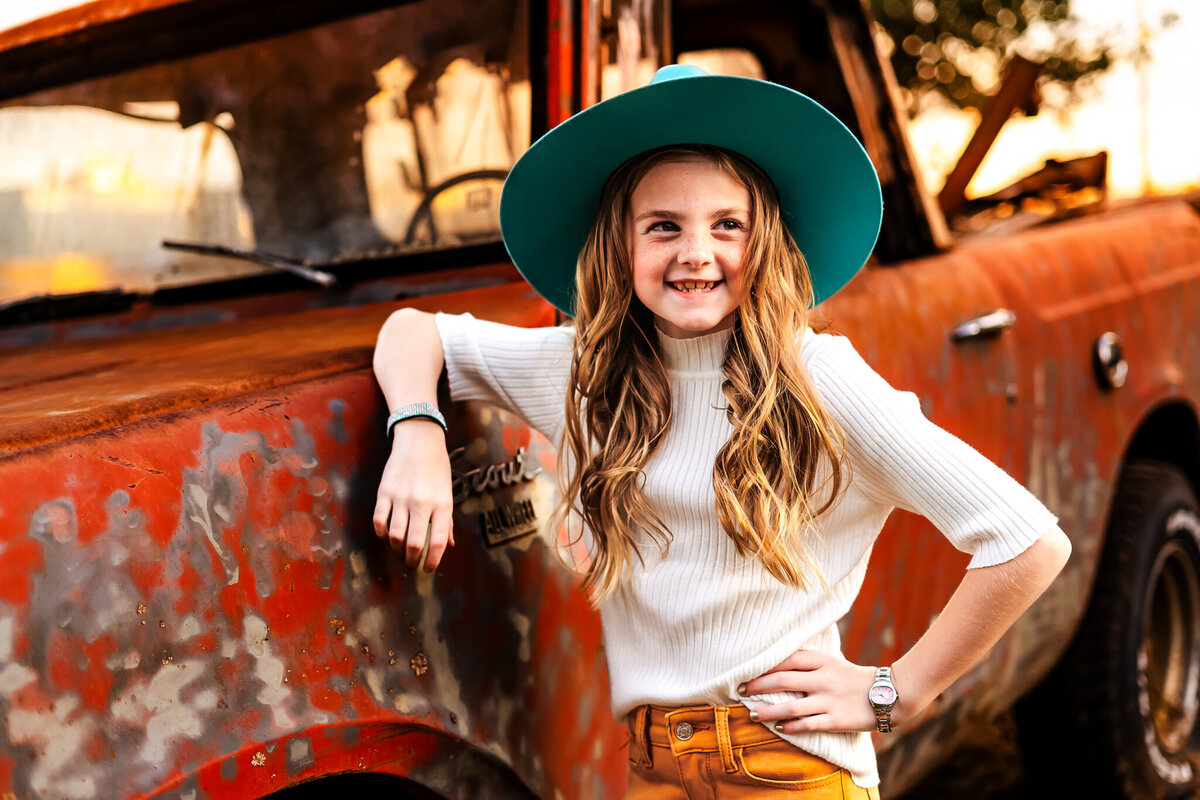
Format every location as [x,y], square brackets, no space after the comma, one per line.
[415,494]
[985,605]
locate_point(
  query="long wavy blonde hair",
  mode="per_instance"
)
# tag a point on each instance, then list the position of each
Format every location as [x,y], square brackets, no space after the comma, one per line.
[618,407]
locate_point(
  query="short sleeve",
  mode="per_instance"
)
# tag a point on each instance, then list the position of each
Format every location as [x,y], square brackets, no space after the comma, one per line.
[906,461]
[522,370]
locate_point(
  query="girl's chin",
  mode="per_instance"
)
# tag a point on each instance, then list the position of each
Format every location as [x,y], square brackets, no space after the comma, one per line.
[692,327]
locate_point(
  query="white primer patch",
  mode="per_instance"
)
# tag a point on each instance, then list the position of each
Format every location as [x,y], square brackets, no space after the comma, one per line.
[14,676]
[268,669]
[448,687]
[161,699]
[189,628]
[198,513]
[6,638]
[358,567]
[521,622]
[58,743]
[127,660]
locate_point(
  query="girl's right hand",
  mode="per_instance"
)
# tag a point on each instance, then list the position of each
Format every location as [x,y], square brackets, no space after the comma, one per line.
[415,496]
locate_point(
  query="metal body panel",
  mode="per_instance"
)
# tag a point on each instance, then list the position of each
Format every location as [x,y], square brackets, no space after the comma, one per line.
[194,603]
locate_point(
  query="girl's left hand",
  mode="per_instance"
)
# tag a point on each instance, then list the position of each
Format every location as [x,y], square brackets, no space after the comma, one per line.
[835,694]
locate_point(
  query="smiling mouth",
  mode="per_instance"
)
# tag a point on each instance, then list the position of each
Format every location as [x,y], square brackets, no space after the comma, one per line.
[690,287]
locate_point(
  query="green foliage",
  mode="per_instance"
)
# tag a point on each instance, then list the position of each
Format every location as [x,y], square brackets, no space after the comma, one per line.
[958,49]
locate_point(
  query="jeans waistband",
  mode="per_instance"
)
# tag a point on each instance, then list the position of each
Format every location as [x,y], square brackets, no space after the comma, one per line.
[692,729]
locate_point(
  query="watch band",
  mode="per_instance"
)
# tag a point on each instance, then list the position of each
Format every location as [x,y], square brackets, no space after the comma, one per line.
[883,711]
[415,411]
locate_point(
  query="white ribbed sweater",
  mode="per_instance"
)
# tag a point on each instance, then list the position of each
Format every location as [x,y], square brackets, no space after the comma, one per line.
[690,627]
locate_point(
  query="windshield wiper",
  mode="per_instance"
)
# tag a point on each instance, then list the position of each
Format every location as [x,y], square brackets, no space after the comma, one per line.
[279,262]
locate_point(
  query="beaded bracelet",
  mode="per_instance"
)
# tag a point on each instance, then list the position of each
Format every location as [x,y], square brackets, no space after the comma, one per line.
[415,411]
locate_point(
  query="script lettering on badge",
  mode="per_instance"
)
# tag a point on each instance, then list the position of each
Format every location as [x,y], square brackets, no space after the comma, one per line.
[507,521]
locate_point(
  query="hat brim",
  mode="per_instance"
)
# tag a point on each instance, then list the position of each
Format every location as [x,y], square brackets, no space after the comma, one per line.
[828,190]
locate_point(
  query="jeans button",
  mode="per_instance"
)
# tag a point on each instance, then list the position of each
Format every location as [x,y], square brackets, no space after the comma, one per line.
[683,731]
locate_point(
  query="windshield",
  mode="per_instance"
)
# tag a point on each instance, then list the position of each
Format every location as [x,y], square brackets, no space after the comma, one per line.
[382,134]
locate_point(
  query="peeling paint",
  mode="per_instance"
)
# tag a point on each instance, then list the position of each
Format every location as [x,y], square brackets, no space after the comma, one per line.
[198,513]
[269,670]
[58,740]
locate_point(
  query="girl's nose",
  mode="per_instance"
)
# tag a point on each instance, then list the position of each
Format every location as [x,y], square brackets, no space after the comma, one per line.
[695,249]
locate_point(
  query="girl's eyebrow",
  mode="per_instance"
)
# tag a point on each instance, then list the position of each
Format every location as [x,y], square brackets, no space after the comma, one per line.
[663,214]
[656,213]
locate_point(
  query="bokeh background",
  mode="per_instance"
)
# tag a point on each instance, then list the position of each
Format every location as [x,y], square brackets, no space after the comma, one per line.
[1143,107]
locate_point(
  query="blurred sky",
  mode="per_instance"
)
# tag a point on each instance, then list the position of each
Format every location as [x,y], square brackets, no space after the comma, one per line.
[1148,118]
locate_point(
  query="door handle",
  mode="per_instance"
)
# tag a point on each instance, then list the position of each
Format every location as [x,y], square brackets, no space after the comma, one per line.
[985,326]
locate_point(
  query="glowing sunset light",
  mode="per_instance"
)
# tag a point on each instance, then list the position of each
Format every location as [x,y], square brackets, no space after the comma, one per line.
[14,14]
[1147,120]
[1146,117]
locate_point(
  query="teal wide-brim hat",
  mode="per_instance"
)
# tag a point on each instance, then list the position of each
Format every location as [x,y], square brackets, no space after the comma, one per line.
[828,191]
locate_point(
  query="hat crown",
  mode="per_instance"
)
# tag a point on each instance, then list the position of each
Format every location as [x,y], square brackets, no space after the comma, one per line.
[673,71]
[829,194]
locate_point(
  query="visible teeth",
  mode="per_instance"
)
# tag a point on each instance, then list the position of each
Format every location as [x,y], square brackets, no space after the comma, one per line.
[694,286]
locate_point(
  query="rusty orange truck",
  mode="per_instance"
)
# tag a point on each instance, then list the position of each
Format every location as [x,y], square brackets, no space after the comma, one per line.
[208,209]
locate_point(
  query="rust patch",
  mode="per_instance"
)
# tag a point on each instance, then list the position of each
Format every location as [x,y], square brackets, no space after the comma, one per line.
[419,664]
[186,368]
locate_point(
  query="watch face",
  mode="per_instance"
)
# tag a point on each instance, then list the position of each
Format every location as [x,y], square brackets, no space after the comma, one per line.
[883,695]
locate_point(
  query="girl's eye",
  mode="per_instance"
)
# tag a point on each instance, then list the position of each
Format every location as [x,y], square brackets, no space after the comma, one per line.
[730,225]
[663,225]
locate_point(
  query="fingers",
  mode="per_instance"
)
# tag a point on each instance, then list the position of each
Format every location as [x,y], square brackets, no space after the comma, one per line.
[414,539]
[423,529]
[801,660]
[383,510]
[793,680]
[413,509]
[815,713]
[792,709]
[815,722]
[408,528]
[439,537]
[796,673]
[828,692]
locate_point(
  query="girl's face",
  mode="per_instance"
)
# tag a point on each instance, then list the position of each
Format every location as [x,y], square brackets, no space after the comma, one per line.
[687,231]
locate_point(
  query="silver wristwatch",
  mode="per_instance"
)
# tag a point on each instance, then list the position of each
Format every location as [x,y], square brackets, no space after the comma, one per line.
[883,696]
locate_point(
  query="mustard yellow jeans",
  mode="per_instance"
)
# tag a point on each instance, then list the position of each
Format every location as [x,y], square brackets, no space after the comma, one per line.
[719,753]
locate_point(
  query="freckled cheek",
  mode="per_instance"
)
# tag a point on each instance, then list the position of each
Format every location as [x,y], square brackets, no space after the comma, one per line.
[647,282]
[649,269]
[733,269]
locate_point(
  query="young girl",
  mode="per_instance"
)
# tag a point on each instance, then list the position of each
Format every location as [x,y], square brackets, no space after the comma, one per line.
[728,467]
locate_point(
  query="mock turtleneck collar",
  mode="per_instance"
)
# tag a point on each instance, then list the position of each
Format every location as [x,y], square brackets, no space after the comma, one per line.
[699,354]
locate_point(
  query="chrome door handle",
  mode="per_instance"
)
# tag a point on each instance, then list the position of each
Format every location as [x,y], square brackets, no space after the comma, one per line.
[985,326]
[1108,357]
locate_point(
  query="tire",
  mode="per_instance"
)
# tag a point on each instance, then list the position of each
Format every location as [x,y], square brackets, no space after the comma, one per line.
[1117,717]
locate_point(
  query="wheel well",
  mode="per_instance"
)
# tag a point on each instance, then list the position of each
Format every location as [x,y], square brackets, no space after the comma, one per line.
[1170,433]
[358,785]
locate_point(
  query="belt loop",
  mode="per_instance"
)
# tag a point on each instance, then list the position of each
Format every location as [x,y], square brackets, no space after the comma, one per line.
[641,728]
[723,739]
